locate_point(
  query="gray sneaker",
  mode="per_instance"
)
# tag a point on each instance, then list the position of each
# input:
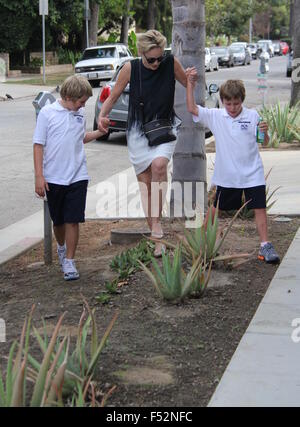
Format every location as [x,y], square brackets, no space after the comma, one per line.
[69,269]
[268,254]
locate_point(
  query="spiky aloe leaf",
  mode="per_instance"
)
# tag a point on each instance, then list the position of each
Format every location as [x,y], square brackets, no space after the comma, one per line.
[95,358]
[2,393]
[18,388]
[9,375]
[40,383]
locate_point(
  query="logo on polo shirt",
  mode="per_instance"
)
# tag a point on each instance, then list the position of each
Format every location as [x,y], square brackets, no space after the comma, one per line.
[79,118]
[244,124]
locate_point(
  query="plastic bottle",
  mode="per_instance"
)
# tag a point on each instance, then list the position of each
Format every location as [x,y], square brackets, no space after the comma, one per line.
[260,135]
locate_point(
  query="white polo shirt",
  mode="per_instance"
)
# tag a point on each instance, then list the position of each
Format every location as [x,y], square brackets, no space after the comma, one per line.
[61,132]
[238,163]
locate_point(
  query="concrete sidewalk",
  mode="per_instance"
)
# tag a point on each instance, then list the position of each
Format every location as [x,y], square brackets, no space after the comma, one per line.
[18,91]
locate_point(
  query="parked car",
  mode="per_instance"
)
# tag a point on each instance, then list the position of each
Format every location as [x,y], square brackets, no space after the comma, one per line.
[211,60]
[224,55]
[244,44]
[284,47]
[119,113]
[277,47]
[241,56]
[289,64]
[253,50]
[270,47]
[100,62]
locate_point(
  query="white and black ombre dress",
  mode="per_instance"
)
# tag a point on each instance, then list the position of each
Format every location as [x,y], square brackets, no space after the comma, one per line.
[158,89]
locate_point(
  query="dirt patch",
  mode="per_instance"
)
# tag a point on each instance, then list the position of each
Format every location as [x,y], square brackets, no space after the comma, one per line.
[159,354]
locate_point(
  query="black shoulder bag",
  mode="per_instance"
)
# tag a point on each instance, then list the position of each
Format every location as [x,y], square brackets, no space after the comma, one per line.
[157,131]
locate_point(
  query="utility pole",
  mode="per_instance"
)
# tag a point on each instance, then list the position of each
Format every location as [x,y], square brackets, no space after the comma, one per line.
[87,17]
[43,11]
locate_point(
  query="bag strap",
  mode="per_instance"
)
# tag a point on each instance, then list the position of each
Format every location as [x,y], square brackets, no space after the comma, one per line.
[141,103]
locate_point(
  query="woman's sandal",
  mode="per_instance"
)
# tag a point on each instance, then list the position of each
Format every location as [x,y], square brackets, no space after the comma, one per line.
[158,251]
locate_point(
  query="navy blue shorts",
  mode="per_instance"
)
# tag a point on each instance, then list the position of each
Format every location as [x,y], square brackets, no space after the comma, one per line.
[67,202]
[231,198]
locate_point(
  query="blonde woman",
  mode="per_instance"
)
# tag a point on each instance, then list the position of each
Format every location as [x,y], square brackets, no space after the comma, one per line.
[156,74]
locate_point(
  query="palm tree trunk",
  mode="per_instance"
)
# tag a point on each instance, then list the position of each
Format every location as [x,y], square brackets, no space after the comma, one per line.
[295,94]
[93,24]
[151,15]
[125,24]
[189,160]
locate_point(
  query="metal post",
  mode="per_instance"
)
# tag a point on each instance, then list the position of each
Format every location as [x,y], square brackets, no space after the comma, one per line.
[87,22]
[44,49]
[250,30]
[47,235]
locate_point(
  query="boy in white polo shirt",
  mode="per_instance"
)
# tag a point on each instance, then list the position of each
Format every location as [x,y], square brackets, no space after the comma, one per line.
[238,165]
[60,165]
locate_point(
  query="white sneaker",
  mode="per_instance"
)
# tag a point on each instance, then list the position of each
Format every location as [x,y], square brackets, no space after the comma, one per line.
[69,269]
[61,252]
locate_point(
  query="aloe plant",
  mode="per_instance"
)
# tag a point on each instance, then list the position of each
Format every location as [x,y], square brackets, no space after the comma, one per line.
[79,368]
[47,386]
[59,374]
[172,283]
[283,123]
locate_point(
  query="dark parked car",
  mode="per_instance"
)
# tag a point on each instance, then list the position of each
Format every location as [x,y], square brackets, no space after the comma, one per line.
[119,113]
[241,55]
[224,55]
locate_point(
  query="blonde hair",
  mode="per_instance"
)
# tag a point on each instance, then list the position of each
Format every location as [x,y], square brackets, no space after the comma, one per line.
[150,40]
[232,89]
[75,87]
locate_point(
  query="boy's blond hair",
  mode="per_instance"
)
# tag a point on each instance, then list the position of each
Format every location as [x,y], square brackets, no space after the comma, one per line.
[233,89]
[75,87]
[149,40]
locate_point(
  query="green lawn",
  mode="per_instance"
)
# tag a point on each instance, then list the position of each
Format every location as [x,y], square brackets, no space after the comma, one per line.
[51,80]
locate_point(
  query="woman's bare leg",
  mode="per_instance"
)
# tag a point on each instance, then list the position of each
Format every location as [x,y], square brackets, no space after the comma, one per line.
[144,180]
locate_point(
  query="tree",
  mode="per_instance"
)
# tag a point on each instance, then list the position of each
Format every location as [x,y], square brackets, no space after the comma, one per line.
[188,42]
[125,24]
[295,95]
[151,15]
[93,25]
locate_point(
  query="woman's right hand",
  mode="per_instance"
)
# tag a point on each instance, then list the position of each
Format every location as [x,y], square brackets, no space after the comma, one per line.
[103,124]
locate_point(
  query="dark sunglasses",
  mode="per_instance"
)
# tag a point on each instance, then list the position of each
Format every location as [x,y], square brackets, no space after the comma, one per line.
[153,60]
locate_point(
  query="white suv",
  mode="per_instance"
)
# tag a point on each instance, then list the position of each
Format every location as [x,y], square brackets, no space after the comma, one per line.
[100,62]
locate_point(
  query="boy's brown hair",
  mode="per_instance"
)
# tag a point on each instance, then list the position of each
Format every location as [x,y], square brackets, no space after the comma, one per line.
[233,89]
[75,87]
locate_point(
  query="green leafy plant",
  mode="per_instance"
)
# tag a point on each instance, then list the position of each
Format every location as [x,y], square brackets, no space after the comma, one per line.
[66,56]
[127,262]
[172,283]
[283,122]
[132,44]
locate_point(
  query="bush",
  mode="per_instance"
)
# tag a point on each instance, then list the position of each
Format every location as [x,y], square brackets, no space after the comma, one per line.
[68,56]
[283,123]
